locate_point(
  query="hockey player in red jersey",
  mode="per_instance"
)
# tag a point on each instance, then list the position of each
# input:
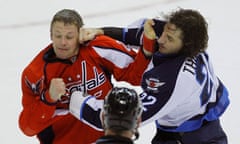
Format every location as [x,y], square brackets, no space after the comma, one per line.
[65,66]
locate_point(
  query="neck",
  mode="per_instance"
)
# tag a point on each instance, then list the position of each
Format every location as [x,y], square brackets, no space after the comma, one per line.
[127,134]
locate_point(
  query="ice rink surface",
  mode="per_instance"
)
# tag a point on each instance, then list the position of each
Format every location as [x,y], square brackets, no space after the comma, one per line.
[24,31]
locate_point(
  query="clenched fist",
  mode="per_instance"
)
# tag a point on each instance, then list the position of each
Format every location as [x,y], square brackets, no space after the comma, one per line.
[149,38]
[148,29]
[87,34]
[57,89]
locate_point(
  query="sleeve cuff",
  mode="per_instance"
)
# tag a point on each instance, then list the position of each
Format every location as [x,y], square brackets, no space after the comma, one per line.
[76,102]
[45,97]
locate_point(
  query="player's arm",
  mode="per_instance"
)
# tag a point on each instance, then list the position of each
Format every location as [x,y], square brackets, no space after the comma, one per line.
[39,108]
[117,33]
[35,115]
[87,109]
[127,36]
[130,35]
[124,63]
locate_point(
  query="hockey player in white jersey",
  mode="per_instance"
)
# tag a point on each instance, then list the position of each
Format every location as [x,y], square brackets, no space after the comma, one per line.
[181,92]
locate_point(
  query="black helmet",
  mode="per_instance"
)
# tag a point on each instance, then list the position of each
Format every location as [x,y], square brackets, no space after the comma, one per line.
[122,108]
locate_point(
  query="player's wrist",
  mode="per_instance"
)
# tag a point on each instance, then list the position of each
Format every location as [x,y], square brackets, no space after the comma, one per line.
[148,45]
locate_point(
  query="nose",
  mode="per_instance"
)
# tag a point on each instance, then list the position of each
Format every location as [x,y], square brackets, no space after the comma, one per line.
[162,39]
[63,41]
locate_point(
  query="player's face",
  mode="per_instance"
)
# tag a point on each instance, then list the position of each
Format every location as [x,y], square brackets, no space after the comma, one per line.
[65,40]
[170,42]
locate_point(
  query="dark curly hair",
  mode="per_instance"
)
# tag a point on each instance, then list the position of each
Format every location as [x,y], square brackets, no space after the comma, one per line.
[194,30]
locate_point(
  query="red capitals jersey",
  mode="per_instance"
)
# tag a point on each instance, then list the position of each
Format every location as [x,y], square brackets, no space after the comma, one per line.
[91,71]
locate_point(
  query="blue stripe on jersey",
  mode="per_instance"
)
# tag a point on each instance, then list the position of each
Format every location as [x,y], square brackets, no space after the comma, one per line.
[90,112]
[83,108]
[213,112]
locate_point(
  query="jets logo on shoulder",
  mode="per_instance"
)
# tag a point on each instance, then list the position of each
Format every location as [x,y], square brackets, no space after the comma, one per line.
[153,84]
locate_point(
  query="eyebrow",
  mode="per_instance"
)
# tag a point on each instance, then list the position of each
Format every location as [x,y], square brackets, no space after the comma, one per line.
[171,32]
[171,29]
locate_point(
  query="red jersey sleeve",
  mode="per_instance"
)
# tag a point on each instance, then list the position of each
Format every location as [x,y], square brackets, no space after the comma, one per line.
[35,115]
[124,63]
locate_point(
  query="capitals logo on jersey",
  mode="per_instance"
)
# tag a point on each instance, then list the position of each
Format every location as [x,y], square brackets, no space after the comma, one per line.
[36,87]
